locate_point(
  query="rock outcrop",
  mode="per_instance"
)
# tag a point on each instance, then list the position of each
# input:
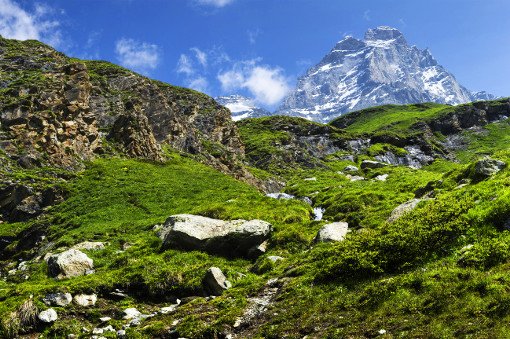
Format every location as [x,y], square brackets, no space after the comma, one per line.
[335,231]
[68,264]
[229,238]
[215,282]
[404,208]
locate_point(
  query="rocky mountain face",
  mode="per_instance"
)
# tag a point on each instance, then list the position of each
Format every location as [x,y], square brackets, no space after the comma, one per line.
[59,112]
[241,107]
[380,69]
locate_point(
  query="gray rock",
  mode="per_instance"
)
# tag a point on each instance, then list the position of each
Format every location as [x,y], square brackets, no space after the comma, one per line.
[131,313]
[85,300]
[354,177]
[282,196]
[381,177]
[58,299]
[372,164]
[215,281]
[404,208]
[351,168]
[332,232]
[89,246]
[71,263]
[486,168]
[229,238]
[48,316]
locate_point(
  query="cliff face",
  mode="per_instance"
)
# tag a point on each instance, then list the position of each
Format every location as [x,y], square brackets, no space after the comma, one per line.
[60,111]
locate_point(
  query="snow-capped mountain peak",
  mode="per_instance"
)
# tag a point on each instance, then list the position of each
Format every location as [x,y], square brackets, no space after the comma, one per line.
[241,107]
[380,69]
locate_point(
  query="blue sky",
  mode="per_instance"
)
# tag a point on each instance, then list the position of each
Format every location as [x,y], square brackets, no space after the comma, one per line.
[260,47]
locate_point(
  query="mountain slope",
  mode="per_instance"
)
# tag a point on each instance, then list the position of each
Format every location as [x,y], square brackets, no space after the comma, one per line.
[381,69]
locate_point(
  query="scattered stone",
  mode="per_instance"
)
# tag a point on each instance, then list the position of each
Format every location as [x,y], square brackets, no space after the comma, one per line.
[381,177]
[97,331]
[354,177]
[310,179]
[307,200]
[372,164]
[58,299]
[229,238]
[108,328]
[85,300]
[89,246]
[215,281]
[121,333]
[275,258]
[48,316]
[105,319]
[382,331]
[118,294]
[71,263]
[131,313]
[486,168]
[332,232]
[281,196]
[318,213]
[404,208]
[171,308]
[351,168]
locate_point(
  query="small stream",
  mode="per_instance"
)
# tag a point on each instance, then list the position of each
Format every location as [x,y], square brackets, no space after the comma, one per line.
[318,212]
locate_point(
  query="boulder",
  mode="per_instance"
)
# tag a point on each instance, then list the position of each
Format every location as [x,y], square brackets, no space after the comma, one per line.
[85,300]
[58,299]
[48,316]
[215,281]
[89,246]
[332,232]
[229,238]
[485,168]
[351,168]
[70,263]
[372,164]
[404,208]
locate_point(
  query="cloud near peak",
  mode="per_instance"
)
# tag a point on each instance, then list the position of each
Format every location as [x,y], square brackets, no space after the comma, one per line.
[268,85]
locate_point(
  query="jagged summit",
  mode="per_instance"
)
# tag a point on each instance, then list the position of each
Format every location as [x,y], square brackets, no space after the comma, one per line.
[380,69]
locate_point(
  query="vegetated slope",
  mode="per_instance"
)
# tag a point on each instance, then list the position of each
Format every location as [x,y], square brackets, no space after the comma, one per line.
[437,268]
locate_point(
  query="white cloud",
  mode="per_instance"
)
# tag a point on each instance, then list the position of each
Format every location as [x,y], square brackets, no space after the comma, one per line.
[366,15]
[139,56]
[268,85]
[215,3]
[201,56]
[184,65]
[18,23]
[199,84]
[253,35]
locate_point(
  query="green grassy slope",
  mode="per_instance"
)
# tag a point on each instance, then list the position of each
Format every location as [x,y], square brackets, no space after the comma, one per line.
[440,271]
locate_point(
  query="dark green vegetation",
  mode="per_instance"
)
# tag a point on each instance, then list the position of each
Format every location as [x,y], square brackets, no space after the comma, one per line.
[439,271]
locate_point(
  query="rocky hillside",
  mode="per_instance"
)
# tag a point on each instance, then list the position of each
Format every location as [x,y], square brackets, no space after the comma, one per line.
[60,112]
[411,135]
[380,69]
